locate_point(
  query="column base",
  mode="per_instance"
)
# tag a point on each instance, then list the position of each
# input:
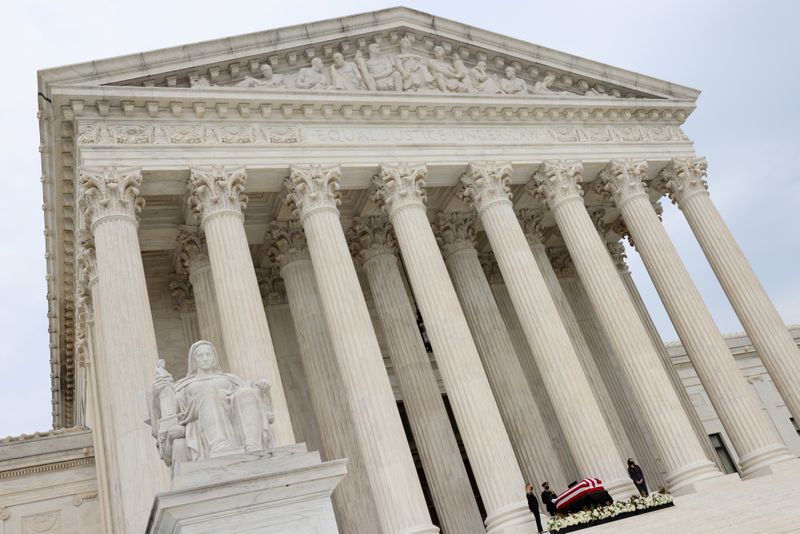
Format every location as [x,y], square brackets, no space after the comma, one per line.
[283,490]
[721,482]
[761,462]
[513,519]
[684,479]
[620,489]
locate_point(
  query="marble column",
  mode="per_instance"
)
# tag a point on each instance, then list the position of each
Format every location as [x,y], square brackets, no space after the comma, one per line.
[557,440]
[373,244]
[617,252]
[521,415]
[183,303]
[399,502]
[287,351]
[353,498]
[111,204]
[216,196]
[750,430]
[485,186]
[531,222]
[613,375]
[684,180]
[400,189]
[191,258]
[557,184]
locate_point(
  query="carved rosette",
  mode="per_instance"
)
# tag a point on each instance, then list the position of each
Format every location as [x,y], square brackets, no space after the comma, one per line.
[491,268]
[624,180]
[561,262]
[287,243]
[556,182]
[486,183]
[683,178]
[182,293]
[312,188]
[190,250]
[216,190]
[270,283]
[617,251]
[370,237]
[401,185]
[455,232]
[110,192]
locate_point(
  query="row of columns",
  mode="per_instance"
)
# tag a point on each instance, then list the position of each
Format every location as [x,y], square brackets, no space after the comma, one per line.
[499,420]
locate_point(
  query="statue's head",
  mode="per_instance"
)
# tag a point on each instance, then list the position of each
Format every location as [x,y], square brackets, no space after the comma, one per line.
[338,59]
[405,43]
[374,49]
[511,72]
[266,71]
[203,357]
[481,65]
[438,52]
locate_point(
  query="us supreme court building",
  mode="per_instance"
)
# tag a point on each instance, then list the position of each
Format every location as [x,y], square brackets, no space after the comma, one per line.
[413,229]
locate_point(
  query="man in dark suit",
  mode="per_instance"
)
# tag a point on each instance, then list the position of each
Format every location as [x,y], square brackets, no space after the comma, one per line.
[636,474]
[549,499]
[533,504]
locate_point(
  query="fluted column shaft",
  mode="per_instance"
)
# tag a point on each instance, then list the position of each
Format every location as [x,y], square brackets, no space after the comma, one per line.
[764,326]
[752,433]
[125,327]
[519,410]
[491,456]
[399,502]
[679,448]
[205,299]
[352,499]
[216,197]
[593,448]
[441,460]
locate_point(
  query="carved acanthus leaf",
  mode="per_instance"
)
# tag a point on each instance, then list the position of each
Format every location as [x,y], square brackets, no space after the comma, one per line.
[370,237]
[617,251]
[216,189]
[400,185]
[684,177]
[557,181]
[271,285]
[486,183]
[287,243]
[623,180]
[455,231]
[313,187]
[182,293]
[491,268]
[561,262]
[531,222]
[190,250]
[110,191]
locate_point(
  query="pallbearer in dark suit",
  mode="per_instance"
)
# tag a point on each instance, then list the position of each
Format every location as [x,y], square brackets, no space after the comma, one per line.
[549,499]
[533,504]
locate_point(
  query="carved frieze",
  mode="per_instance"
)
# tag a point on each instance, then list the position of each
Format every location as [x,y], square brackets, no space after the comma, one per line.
[103,134]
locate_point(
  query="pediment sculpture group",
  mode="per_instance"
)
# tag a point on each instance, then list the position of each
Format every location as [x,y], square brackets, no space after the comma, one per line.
[405,71]
[209,413]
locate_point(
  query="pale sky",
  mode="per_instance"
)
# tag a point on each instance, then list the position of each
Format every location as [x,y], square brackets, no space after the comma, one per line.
[742,55]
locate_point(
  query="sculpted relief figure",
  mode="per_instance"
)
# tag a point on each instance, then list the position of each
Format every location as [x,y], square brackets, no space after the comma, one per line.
[379,70]
[209,413]
[345,75]
[511,84]
[447,77]
[313,77]
[483,82]
[268,79]
[413,68]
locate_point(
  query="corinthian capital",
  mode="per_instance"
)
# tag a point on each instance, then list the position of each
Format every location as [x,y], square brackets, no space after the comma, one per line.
[531,222]
[110,192]
[270,283]
[182,293]
[370,237]
[624,180]
[486,183]
[490,268]
[87,259]
[287,243]
[618,255]
[400,185]
[557,181]
[190,250]
[561,262]
[216,190]
[454,232]
[684,177]
[313,187]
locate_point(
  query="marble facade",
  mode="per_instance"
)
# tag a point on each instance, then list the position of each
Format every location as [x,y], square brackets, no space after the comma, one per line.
[408,211]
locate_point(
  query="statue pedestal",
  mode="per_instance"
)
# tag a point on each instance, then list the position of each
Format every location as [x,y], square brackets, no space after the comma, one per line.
[281,490]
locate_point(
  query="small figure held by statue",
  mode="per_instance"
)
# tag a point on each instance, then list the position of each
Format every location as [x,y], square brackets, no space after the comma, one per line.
[209,413]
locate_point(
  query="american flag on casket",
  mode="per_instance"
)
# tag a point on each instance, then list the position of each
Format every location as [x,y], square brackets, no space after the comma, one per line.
[588,492]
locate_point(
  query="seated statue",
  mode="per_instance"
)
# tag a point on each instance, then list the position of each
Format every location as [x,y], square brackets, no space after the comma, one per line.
[267,80]
[313,77]
[209,413]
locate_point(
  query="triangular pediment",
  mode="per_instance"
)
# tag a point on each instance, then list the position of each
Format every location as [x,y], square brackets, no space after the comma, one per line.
[393,50]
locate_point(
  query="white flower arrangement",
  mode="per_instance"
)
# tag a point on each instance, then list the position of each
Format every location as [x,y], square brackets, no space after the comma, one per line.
[601,513]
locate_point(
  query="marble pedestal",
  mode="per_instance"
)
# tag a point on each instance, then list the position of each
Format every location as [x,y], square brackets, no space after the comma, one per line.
[281,490]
